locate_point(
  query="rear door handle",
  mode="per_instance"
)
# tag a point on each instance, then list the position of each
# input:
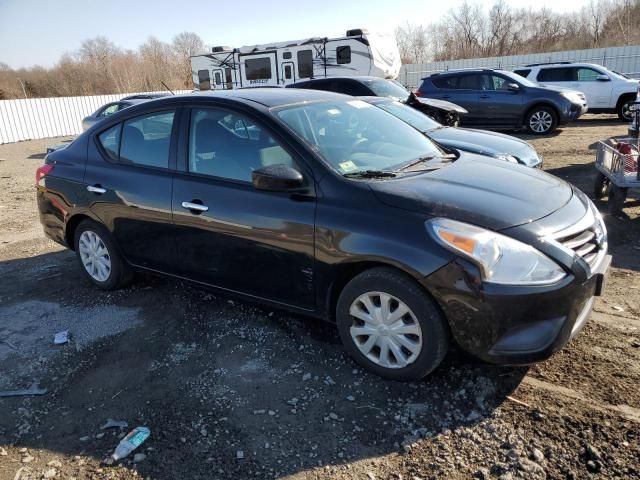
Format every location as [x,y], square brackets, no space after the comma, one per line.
[197,207]
[484,96]
[445,96]
[96,189]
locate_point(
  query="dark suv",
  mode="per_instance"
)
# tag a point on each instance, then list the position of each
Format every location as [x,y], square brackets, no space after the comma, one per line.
[328,206]
[501,99]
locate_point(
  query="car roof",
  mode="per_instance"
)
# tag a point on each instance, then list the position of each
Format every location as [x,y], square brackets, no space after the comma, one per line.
[357,78]
[269,97]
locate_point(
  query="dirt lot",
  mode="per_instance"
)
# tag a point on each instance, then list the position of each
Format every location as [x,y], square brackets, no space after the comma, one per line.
[232,390]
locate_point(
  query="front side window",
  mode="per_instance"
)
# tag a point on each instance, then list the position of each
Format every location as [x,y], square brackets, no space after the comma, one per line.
[110,141]
[343,54]
[258,68]
[230,145]
[353,135]
[468,82]
[305,64]
[145,140]
[493,82]
[588,75]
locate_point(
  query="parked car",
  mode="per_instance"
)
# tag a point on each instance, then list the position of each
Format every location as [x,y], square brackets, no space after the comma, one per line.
[444,112]
[500,99]
[481,142]
[331,207]
[107,110]
[606,91]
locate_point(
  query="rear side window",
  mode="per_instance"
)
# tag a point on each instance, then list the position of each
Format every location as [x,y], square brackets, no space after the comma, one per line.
[445,82]
[258,68]
[305,64]
[523,72]
[556,75]
[343,54]
[458,82]
[110,141]
[229,145]
[142,140]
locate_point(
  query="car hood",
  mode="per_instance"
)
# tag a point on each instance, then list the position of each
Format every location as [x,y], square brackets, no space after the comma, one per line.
[480,141]
[480,190]
[440,104]
[559,89]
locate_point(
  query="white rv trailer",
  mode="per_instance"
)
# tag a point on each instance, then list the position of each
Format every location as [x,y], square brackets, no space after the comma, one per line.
[275,64]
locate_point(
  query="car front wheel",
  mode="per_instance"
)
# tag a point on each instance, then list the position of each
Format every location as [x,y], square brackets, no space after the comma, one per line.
[624,109]
[390,326]
[99,258]
[541,120]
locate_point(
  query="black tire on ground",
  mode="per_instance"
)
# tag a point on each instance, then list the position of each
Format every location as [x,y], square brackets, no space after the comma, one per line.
[600,185]
[120,274]
[541,112]
[623,108]
[617,196]
[435,333]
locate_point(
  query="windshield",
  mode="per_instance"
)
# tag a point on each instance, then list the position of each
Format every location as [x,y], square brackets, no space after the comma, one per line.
[387,88]
[518,78]
[409,115]
[353,136]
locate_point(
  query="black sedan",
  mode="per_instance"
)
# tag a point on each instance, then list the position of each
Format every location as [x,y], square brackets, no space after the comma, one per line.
[328,206]
[482,142]
[107,110]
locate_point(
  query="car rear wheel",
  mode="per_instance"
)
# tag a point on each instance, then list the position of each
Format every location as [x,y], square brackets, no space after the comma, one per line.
[600,185]
[617,196]
[541,120]
[99,258]
[390,326]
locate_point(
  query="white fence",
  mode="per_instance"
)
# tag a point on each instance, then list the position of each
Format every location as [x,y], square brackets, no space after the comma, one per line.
[620,59]
[32,118]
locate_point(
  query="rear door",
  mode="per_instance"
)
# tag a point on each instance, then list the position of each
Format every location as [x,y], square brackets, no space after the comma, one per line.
[231,235]
[128,185]
[258,69]
[500,105]
[462,89]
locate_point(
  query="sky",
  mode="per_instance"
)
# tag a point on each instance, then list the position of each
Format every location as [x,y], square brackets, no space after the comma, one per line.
[38,32]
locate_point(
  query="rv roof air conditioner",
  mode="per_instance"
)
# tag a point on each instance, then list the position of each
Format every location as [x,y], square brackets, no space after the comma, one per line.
[221,49]
[356,32]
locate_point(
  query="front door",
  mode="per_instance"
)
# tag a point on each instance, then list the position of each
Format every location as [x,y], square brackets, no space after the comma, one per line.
[231,235]
[597,92]
[258,69]
[500,106]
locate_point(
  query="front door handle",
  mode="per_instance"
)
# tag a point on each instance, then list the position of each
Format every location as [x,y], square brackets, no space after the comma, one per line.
[96,189]
[445,96]
[484,95]
[196,207]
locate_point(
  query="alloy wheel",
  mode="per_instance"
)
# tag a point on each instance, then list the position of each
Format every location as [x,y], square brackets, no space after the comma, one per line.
[540,121]
[625,110]
[385,330]
[95,256]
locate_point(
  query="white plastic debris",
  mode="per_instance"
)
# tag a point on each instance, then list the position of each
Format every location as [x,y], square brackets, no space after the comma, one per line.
[61,338]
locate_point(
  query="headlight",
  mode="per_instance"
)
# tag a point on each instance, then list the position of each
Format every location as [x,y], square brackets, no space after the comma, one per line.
[507,157]
[571,96]
[501,259]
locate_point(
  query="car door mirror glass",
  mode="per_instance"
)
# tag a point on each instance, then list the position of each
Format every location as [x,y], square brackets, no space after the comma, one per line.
[514,87]
[277,178]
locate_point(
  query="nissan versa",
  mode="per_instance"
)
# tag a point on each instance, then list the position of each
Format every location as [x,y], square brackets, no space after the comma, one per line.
[328,206]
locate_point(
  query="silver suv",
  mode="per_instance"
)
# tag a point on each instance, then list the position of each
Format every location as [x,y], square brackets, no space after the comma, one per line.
[606,91]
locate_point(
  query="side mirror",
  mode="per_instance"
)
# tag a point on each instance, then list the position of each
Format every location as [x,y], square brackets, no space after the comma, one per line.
[514,87]
[277,178]
[603,78]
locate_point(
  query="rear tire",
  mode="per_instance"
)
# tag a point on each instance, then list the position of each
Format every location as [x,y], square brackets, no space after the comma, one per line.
[99,258]
[600,185]
[617,196]
[412,341]
[541,120]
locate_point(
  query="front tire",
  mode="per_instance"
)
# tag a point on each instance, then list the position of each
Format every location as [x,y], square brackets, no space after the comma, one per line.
[600,185]
[99,258]
[541,120]
[390,326]
[617,196]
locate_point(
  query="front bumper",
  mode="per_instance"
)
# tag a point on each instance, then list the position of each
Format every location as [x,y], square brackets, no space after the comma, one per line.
[513,324]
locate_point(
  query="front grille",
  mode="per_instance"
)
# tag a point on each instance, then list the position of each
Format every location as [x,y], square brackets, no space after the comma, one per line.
[586,243]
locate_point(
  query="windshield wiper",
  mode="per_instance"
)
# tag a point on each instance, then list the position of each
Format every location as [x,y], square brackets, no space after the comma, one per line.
[370,174]
[442,158]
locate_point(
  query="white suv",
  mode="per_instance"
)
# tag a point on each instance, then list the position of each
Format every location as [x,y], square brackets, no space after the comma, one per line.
[606,91]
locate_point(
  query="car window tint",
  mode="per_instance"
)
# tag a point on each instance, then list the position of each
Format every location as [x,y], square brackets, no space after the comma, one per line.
[556,75]
[110,141]
[588,75]
[229,145]
[445,82]
[523,72]
[146,139]
[468,82]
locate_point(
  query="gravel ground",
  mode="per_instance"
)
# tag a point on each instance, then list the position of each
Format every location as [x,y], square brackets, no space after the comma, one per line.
[233,390]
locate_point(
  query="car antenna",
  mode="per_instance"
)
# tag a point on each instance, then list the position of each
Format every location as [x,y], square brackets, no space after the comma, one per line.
[165,86]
